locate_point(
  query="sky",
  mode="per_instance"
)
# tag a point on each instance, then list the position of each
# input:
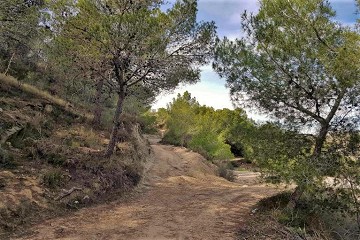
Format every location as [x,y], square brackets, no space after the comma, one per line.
[211,90]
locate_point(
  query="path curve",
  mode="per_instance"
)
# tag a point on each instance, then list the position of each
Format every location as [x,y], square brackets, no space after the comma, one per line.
[182,198]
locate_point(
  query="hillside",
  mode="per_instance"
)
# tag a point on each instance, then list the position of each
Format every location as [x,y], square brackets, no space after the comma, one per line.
[51,160]
[181,198]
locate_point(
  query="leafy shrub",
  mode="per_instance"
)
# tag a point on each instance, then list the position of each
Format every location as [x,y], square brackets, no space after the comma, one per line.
[202,128]
[225,171]
[212,145]
[148,123]
[55,159]
[20,139]
[53,178]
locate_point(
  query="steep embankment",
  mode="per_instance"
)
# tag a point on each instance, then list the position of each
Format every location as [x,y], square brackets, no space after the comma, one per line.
[51,160]
[181,198]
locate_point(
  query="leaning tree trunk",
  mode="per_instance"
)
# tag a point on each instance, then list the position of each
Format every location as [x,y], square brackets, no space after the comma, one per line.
[9,63]
[98,110]
[116,123]
[319,143]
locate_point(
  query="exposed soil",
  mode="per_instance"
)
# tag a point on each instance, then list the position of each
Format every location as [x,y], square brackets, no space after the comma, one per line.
[180,198]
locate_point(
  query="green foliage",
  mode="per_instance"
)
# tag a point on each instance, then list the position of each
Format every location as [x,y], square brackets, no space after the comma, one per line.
[210,145]
[129,46]
[283,155]
[299,65]
[341,192]
[6,159]
[202,128]
[18,17]
[53,178]
[20,33]
[181,120]
[55,159]
[148,122]
[288,74]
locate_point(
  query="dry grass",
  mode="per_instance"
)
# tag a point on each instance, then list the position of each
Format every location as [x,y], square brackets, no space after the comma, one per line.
[81,136]
[67,106]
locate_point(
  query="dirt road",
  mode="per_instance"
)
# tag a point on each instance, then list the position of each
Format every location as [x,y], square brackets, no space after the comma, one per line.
[181,198]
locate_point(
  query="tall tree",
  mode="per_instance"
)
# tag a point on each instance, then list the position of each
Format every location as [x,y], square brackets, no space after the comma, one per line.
[141,44]
[19,26]
[87,70]
[299,65]
[181,120]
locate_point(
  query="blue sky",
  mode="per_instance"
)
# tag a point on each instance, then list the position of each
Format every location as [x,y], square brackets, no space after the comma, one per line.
[211,90]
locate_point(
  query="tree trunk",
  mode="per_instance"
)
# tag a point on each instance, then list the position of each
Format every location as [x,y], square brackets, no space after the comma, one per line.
[98,107]
[319,143]
[9,64]
[295,197]
[116,123]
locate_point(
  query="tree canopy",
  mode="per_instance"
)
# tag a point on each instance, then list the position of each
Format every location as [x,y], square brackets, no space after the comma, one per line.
[298,64]
[213,133]
[19,29]
[137,43]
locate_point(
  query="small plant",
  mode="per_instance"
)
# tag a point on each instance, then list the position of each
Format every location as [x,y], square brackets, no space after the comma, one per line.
[226,172]
[6,160]
[76,202]
[55,159]
[81,137]
[25,136]
[53,178]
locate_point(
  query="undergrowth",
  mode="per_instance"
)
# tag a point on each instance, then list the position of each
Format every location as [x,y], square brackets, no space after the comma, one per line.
[306,221]
[225,170]
[50,152]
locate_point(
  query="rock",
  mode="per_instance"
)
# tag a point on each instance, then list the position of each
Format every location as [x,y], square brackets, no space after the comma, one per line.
[49,109]
[86,199]
[26,193]
[36,189]
[1,110]
[2,183]
[8,133]
[7,174]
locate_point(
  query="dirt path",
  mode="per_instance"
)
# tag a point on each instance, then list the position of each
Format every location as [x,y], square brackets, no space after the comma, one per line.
[182,199]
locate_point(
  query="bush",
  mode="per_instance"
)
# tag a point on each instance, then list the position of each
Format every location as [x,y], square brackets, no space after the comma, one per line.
[225,171]
[6,159]
[55,159]
[22,137]
[148,123]
[81,136]
[210,144]
[310,220]
[53,178]
[203,129]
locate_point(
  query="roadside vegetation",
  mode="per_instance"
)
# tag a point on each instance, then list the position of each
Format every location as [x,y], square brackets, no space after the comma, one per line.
[77,80]
[298,65]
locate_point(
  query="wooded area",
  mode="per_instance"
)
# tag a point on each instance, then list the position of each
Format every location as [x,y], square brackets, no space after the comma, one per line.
[295,63]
